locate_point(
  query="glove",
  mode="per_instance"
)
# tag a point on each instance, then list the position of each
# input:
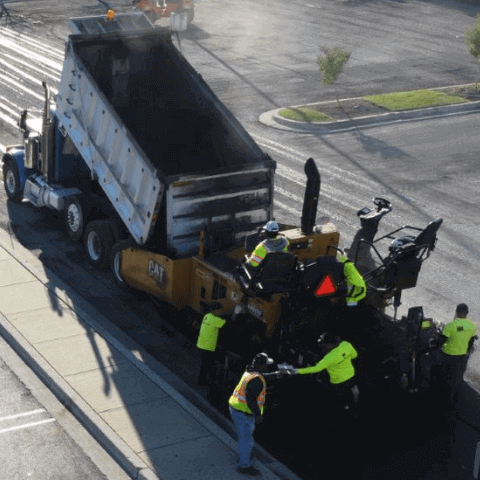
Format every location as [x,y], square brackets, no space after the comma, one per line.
[258,419]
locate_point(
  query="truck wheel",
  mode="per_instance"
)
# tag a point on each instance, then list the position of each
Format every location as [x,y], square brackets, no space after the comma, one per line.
[116,262]
[76,214]
[98,241]
[11,180]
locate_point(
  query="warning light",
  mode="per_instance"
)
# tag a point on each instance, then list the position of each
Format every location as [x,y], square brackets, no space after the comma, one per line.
[110,14]
[325,287]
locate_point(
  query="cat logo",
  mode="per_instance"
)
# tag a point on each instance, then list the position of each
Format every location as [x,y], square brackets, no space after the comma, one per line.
[158,272]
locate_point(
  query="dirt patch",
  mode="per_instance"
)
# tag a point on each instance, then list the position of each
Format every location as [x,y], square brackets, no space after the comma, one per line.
[348,109]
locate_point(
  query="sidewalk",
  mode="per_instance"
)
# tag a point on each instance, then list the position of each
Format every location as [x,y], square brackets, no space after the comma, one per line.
[274,120]
[104,378]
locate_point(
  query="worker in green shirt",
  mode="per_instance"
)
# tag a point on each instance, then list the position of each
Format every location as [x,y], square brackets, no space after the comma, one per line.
[459,336]
[356,286]
[207,342]
[338,364]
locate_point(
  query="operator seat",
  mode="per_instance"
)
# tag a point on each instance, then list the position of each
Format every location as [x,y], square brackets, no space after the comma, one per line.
[404,263]
[428,236]
[274,275]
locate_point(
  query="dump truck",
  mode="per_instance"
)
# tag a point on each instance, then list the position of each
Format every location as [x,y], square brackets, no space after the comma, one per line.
[162,184]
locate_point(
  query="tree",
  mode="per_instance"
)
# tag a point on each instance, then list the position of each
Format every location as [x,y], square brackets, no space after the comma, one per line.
[331,63]
[472,39]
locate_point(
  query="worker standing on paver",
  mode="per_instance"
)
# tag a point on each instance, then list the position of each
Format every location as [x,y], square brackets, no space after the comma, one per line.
[459,336]
[356,285]
[246,408]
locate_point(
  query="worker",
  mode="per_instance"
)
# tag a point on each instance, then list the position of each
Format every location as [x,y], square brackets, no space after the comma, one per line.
[207,342]
[338,364]
[356,286]
[273,242]
[246,407]
[459,336]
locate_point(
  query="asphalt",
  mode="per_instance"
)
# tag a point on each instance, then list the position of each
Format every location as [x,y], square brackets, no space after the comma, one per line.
[274,120]
[151,423]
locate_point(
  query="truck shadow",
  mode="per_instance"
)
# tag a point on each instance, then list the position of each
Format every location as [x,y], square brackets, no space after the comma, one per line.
[133,366]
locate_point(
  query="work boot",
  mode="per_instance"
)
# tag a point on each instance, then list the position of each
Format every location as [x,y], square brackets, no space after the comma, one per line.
[252,471]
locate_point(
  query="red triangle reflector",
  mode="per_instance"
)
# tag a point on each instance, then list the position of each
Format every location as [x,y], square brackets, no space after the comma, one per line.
[325,287]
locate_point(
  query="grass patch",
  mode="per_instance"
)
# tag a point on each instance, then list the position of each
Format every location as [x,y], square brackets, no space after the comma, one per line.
[413,99]
[304,114]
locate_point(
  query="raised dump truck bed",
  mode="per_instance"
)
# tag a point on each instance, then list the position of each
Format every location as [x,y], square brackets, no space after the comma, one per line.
[162,146]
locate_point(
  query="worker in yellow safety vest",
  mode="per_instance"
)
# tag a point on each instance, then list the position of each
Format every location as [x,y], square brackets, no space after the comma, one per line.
[459,336]
[338,364]
[356,285]
[273,242]
[246,408]
[207,342]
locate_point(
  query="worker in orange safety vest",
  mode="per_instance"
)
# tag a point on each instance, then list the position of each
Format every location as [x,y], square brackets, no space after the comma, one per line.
[246,408]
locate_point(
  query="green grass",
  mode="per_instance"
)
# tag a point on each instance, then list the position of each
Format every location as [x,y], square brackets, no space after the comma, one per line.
[304,114]
[413,99]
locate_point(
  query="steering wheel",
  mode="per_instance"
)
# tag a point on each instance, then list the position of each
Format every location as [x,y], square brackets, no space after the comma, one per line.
[381,203]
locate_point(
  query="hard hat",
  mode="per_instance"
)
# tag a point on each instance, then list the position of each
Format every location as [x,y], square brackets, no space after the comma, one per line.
[271,228]
[261,359]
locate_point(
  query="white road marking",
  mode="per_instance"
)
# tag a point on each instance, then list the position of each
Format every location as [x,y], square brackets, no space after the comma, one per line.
[16,85]
[37,44]
[23,414]
[34,80]
[29,53]
[27,425]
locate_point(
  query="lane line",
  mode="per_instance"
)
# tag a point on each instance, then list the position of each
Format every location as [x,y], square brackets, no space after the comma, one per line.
[27,425]
[24,414]
[36,42]
[28,53]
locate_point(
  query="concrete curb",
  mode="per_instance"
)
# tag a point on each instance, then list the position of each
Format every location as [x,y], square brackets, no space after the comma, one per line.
[272,119]
[91,421]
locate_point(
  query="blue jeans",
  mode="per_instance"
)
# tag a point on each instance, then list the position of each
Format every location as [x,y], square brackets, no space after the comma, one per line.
[245,425]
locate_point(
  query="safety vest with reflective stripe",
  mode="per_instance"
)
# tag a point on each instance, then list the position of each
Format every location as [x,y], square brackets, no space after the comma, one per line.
[269,245]
[238,400]
[357,288]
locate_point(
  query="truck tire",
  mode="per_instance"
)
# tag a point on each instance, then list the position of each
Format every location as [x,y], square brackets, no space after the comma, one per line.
[76,215]
[11,181]
[98,241]
[116,262]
